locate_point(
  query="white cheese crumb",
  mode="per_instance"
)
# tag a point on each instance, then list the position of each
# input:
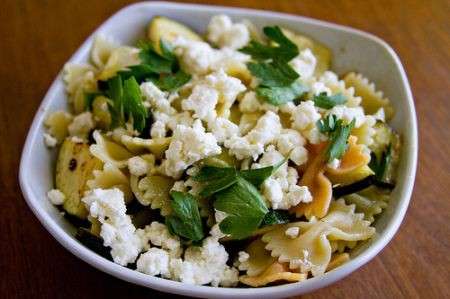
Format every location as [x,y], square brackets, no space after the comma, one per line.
[305,115]
[49,140]
[138,166]
[81,125]
[202,101]
[205,264]
[76,139]
[252,145]
[223,33]
[223,129]
[158,234]
[56,197]
[334,164]
[243,256]
[154,262]
[292,232]
[304,64]
[188,146]
[349,113]
[117,230]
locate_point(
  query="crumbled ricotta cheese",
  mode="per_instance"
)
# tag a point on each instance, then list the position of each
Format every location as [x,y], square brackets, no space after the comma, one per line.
[334,164]
[349,113]
[281,189]
[304,64]
[81,125]
[290,143]
[117,230]
[292,232]
[188,145]
[252,145]
[158,99]
[305,116]
[199,58]
[138,166]
[227,86]
[154,262]
[205,264]
[49,140]
[56,197]
[202,101]
[223,33]
[223,129]
[243,256]
[158,234]
[380,115]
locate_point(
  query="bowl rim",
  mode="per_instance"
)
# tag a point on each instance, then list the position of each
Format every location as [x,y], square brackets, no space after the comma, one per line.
[175,287]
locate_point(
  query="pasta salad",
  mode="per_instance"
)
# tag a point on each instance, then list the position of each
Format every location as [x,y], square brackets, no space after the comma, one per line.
[232,158]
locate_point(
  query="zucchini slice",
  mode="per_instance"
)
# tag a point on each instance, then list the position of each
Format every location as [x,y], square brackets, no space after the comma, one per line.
[74,167]
[168,30]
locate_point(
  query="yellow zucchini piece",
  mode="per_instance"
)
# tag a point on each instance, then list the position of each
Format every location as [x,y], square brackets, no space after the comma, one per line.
[350,177]
[168,30]
[224,159]
[74,168]
[320,51]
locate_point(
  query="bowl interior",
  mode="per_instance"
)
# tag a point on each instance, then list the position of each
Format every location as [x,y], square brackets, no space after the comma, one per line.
[352,51]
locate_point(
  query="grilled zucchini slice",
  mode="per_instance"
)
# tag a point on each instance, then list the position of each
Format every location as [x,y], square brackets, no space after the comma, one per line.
[74,168]
[168,30]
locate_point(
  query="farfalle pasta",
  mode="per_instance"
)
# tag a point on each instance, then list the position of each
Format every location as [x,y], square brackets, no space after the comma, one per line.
[238,158]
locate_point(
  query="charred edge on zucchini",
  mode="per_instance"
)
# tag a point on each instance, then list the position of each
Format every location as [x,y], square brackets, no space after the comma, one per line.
[93,243]
[72,164]
[340,191]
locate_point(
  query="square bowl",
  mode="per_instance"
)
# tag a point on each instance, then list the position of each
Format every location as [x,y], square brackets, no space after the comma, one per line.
[353,50]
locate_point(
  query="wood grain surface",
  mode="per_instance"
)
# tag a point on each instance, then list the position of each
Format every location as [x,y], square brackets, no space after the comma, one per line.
[37,37]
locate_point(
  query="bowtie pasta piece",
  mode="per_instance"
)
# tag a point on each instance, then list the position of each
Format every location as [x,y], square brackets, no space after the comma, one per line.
[277,272]
[372,100]
[109,151]
[111,177]
[154,191]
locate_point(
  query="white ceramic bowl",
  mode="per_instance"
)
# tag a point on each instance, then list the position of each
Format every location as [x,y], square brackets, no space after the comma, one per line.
[353,51]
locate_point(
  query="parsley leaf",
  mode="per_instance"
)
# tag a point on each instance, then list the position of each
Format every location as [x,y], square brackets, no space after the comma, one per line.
[216,178]
[126,102]
[133,105]
[158,63]
[244,206]
[275,217]
[285,50]
[185,219]
[328,124]
[259,175]
[338,140]
[273,74]
[172,82]
[281,95]
[327,102]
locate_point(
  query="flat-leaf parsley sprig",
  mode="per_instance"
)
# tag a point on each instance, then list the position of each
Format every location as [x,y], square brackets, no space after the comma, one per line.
[338,133]
[278,80]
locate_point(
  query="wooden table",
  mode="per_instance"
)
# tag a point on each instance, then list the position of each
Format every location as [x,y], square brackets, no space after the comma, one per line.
[37,37]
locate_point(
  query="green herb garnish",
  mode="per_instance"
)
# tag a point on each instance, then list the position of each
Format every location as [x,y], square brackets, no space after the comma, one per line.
[185,219]
[284,49]
[126,102]
[278,80]
[327,102]
[275,217]
[338,133]
[237,195]
[281,95]
[244,206]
